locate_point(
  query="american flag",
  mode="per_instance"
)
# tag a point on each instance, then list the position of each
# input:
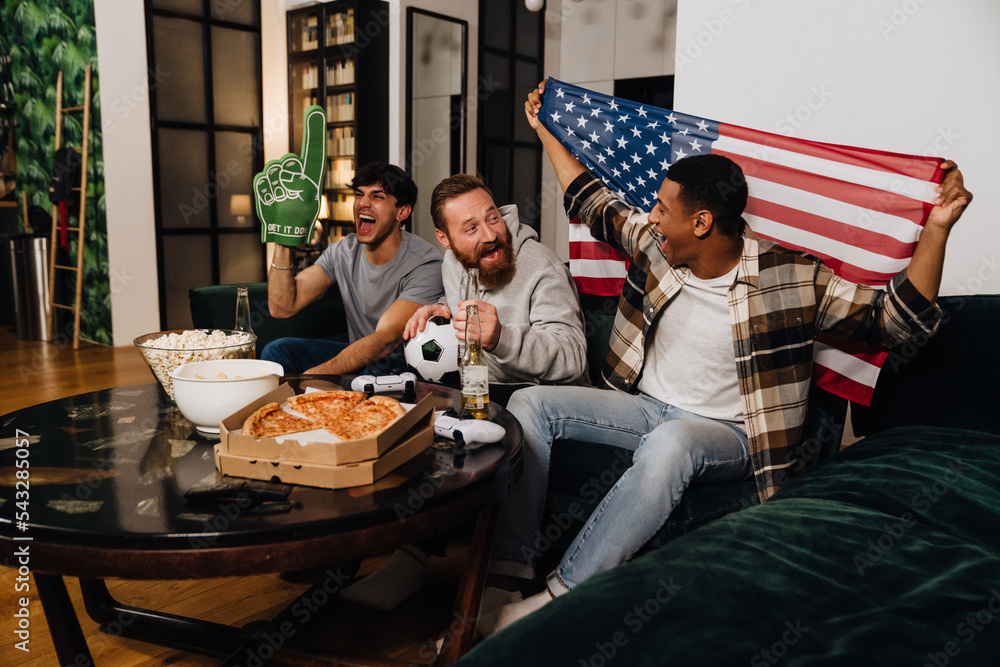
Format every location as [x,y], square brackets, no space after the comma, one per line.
[859,210]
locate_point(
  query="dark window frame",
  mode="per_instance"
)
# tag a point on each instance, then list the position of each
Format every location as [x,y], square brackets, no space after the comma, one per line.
[210,128]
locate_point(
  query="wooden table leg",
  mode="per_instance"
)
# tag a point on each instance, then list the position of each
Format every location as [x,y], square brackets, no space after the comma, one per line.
[64,626]
[470,589]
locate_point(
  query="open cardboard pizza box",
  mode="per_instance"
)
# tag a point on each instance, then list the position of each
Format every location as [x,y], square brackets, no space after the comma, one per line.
[318,458]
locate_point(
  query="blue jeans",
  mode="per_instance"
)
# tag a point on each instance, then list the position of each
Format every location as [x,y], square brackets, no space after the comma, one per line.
[297,355]
[671,448]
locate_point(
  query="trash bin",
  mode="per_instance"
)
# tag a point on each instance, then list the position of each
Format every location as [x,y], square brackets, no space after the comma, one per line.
[29,269]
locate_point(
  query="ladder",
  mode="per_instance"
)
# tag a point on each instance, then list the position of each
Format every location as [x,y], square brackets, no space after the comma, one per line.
[80,227]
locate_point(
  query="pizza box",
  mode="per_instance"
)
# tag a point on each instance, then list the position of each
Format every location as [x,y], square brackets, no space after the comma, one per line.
[413,442]
[319,446]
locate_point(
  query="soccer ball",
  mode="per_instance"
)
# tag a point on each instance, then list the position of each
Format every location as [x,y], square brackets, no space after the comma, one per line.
[433,352]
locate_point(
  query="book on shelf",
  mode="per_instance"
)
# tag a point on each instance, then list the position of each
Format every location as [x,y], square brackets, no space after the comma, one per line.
[340,174]
[340,141]
[310,33]
[340,72]
[342,207]
[340,28]
[308,101]
[340,108]
[310,77]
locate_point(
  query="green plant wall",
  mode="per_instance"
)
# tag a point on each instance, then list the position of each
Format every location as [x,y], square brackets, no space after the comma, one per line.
[44,37]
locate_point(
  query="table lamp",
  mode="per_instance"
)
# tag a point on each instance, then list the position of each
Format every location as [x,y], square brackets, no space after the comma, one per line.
[239,205]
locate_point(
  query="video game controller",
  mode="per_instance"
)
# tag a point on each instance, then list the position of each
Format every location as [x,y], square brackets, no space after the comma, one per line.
[471,430]
[374,384]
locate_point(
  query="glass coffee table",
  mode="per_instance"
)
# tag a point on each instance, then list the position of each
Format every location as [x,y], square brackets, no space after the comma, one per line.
[102,495]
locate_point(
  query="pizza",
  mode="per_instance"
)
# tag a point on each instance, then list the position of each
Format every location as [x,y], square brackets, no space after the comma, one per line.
[324,407]
[270,421]
[367,419]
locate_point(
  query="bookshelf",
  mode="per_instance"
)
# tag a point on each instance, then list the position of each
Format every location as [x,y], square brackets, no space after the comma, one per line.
[338,58]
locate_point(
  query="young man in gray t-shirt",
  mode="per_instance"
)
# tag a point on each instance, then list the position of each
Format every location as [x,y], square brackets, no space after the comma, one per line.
[384,275]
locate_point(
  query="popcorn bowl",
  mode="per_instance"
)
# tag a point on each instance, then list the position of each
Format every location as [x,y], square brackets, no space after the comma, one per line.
[164,351]
[206,392]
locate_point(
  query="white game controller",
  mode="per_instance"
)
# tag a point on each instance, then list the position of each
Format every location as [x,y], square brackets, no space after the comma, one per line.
[374,384]
[472,430]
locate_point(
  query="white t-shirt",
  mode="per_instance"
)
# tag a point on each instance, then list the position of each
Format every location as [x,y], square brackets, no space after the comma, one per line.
[690,361]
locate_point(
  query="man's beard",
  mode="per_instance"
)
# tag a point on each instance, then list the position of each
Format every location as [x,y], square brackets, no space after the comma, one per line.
[496,274]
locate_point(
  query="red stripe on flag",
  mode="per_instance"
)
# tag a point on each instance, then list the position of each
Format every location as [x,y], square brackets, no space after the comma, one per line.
[840,385]
[594,250]
[872,241]
[923,168]
[599,286]
[864,196]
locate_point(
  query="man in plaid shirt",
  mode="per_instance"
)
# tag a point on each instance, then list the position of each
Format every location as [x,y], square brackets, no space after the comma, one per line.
[710,357]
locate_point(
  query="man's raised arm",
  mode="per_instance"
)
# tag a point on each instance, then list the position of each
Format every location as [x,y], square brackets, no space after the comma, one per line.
[288,292]
[927,263]
[567,167]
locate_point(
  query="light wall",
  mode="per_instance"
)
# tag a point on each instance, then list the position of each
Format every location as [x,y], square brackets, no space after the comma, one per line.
[274,76]
[913,77]
[128,168]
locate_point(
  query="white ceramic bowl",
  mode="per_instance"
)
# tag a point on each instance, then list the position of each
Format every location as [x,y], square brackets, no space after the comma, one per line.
[165,351]
[209,391]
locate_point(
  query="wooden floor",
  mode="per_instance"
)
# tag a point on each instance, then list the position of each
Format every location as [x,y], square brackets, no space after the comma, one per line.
[32,373]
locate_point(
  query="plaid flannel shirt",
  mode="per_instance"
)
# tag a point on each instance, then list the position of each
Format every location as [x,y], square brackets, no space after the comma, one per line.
[778,302]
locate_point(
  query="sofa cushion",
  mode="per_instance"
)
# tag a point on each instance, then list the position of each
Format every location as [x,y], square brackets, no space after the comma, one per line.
[214,307]
[949,379]
[852,559]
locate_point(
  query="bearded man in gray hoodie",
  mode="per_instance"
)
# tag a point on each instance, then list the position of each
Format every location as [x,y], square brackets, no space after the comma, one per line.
[528,308]
[532,327]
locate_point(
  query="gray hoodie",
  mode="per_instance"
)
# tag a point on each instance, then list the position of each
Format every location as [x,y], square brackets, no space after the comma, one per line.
[541,340]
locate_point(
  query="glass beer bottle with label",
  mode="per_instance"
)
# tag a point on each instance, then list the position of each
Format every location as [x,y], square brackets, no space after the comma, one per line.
[470,291]
[475,373]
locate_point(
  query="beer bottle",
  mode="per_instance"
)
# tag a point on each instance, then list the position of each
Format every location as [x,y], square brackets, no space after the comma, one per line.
[475,373]
[243,314]
[470,291]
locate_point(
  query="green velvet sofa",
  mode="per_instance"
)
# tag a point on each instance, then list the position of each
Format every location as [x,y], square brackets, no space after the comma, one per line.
[885,553]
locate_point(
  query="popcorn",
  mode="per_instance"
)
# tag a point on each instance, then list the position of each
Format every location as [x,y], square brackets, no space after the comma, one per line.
[170,350]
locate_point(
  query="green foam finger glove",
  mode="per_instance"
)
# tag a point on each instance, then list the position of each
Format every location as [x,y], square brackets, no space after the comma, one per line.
[288,190]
